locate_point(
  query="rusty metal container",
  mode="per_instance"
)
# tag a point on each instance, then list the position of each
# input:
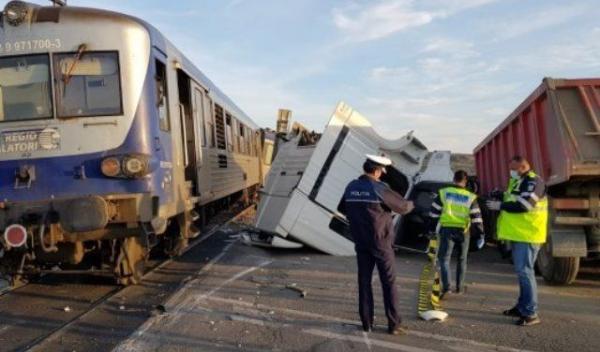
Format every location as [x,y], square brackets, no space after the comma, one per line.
[557,128]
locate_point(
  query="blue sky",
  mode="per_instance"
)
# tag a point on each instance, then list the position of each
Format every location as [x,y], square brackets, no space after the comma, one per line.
[449,69]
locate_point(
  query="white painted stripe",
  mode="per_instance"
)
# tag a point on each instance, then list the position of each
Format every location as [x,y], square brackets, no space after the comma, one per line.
[483,345]
[367,340]
[130,343]
[287,312]
[379,343]
[230,280]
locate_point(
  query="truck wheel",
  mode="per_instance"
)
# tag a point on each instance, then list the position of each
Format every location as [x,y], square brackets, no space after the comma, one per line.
[557,271]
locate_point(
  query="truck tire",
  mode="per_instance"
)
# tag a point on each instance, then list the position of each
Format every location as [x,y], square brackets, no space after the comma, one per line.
[557,271]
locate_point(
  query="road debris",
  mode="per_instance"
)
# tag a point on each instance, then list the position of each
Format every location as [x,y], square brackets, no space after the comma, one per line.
[295,288]
[160,309]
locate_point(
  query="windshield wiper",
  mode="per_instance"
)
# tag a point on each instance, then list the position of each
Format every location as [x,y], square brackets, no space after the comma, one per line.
[77,58]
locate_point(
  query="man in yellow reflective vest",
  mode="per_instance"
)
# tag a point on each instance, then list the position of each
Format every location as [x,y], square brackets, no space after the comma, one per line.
[454,210]
[523,221]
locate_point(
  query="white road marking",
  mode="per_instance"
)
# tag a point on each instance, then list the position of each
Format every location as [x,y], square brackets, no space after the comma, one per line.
[482,345]
[131,344]
[367,340]
[426,335]
[379,343]
[230,280]
[330,335]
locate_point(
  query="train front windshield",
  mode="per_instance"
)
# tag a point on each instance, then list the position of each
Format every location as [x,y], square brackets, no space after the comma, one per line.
[86,85]
[25,90]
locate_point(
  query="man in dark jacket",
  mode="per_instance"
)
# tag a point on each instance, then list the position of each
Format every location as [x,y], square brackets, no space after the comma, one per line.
[369,204]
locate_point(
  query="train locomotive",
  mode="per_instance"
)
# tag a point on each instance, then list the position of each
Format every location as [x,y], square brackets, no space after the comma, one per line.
[111,143]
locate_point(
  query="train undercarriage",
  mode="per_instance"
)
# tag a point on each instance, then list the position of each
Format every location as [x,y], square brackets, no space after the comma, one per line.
[119,249]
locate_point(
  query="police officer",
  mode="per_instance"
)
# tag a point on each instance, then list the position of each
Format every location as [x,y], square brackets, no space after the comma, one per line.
[523,221]
[369,205]
[454,210]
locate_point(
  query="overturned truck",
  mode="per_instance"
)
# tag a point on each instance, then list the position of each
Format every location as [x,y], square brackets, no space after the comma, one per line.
[310,172]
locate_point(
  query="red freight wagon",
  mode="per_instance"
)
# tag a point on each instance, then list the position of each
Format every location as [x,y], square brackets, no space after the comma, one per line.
[558,129]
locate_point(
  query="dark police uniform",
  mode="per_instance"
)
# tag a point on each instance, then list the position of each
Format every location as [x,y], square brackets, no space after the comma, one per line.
[368,205]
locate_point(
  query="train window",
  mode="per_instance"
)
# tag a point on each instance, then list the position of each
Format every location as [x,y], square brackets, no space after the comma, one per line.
[25,92]
[235,134]
[162,96]
[220,127]
[242,138]
[258,144]
[201,114]
[229,131]
[249,135]
[87,84]
[209,123]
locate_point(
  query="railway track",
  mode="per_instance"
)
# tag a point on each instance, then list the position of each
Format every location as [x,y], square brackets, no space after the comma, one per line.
[94,312]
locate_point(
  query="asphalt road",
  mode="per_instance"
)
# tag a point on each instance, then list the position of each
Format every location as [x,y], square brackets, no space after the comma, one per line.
[239,300]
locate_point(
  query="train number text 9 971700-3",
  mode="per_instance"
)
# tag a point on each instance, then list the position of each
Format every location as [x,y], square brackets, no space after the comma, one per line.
[29,45]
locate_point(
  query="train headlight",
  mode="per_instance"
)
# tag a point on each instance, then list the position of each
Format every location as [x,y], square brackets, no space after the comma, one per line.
[15,12]
[135,165]
[126,166]
[111,167]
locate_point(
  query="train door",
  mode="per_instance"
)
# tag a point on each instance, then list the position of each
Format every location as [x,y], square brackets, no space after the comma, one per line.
[163,139]
[188,131]
[203,119]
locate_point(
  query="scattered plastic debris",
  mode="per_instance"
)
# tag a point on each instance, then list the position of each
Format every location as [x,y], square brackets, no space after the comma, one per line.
[67,309]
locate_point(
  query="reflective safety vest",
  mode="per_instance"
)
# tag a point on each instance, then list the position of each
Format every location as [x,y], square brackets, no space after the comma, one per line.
[456,210]
[528,227]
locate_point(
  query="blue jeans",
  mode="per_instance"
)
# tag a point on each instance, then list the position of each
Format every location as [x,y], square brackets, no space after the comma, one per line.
[448,238]
[524,256]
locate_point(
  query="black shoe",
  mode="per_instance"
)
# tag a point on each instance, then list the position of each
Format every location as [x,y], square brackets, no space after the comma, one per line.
[445,294]
[367,328]
[460,291]
[528,321]
[398,330]
[513,312]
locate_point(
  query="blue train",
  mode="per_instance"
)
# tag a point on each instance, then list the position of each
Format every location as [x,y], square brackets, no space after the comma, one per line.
[111,142]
